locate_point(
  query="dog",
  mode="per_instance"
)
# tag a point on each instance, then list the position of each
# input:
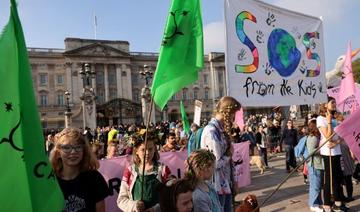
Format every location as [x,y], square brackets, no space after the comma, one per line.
[259,162]
[249,204]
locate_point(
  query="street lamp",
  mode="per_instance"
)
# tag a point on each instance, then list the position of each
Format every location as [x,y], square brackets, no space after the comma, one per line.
[146,95]
[147,74]
[165,113]
[88,97]
[67,110]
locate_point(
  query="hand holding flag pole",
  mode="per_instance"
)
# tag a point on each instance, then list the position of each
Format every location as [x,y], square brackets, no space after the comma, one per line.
[145,143]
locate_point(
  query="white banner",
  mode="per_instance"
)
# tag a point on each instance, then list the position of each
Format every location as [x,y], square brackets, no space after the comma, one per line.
[274,56]
[197,112]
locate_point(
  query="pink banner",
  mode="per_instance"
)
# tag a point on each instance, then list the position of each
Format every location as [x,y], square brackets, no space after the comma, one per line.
[349,103]
[112,170]
[349,130]
[239,119]
[347,85]
[241,163]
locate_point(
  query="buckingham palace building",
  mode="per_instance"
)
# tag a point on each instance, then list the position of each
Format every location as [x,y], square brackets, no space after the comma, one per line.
[115,77]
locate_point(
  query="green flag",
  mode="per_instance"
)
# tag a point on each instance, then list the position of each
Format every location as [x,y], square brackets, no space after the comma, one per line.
[184,118]
[181,53]
[27,180]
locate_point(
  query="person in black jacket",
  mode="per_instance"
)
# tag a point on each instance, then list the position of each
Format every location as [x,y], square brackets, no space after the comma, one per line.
[261,143]
[289,139]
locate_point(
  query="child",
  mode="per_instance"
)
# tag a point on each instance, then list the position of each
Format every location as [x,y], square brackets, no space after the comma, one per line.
[200,168]
[129,198]
[176,197]
[112,149]
[83,187]
[215,137]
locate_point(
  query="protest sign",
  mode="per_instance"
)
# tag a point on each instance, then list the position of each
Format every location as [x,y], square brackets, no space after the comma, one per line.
[274,56]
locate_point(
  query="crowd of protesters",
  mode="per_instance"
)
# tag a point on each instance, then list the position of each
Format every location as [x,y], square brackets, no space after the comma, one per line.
[209,147]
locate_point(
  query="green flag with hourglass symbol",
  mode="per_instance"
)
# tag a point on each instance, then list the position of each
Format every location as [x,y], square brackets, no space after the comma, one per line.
[27,180]
[181,53]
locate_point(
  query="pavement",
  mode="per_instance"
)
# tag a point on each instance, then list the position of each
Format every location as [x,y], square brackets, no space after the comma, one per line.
[292,195]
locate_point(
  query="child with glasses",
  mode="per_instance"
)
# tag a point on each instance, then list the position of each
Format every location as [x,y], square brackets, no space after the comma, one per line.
[138,191]
[83,187]
[200,168]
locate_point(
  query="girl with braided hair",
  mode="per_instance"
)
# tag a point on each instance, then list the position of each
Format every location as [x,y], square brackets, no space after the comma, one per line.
[216,138]
[199,170]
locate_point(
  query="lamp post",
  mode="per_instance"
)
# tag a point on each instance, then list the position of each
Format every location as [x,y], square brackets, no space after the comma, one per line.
[88,97]
[147,74]
[165,113]
[68,112]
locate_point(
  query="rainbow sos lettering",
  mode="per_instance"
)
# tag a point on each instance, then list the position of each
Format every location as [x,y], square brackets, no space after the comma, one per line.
[283,54]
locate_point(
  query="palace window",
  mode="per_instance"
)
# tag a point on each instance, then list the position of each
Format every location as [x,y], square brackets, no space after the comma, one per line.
[111,75]
[206,94]
[221,92]
[60,100]
[43,100]
[112,93]
[206,79]
[43,79]
[220,77]
[60,79]
[100,96]
[184,94]
[196,93]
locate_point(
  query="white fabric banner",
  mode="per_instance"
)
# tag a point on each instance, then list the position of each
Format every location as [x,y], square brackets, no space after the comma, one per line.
[274,56]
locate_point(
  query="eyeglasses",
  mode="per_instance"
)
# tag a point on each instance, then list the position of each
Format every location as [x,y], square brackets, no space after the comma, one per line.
[67,148]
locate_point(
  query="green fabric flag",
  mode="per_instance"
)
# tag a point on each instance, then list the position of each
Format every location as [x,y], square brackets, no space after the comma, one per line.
[27,180]
[184,118]
[181,53]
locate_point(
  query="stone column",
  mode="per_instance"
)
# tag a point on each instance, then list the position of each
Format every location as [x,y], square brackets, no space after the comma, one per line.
[93,80]
[106,83]
[118,80]
[69,83]
[78,83]
[67,119]
[126,82]
[88,109]
[145,105]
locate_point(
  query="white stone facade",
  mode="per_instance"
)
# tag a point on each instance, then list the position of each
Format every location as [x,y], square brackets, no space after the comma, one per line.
[56,71]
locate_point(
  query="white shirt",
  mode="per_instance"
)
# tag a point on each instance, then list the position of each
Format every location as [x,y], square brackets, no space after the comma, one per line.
[325,150]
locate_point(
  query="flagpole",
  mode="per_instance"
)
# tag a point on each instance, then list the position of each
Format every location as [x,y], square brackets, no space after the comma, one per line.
[146,138]
[95,26]
[292,172]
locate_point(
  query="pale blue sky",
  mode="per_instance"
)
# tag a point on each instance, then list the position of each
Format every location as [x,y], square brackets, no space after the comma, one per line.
[47,23]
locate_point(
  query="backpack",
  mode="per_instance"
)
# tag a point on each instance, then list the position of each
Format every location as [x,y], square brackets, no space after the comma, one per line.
[300,149]
[194,140]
